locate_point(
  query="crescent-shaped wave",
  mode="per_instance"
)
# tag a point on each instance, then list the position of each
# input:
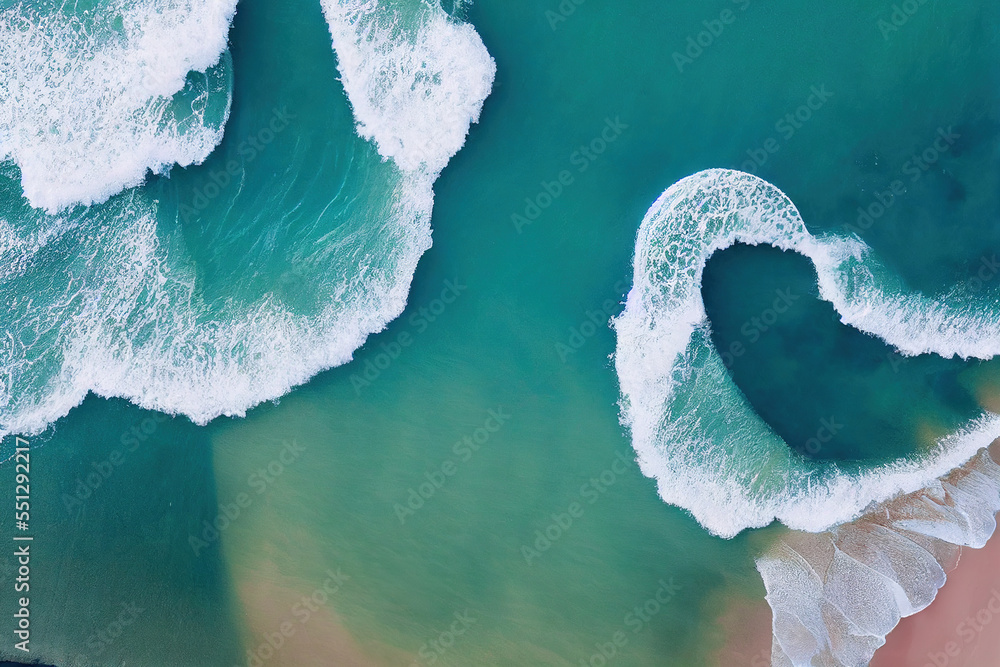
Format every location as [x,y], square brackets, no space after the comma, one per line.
[128,314]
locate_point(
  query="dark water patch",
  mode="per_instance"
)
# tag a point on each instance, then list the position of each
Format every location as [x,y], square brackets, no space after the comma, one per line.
[829,390]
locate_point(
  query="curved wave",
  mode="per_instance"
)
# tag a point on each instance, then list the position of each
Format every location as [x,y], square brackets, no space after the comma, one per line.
[692,428]
[93,100]
[131,321]
[116,299]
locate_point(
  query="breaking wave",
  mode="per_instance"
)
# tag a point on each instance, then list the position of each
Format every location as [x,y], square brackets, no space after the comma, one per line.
[107,298]
[416,79]
[695,432]
[92,101]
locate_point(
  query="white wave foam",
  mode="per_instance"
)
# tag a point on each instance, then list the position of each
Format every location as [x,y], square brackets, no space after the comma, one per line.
[416,79]
[692,428]
[86,105]
[132,324]
[835,595]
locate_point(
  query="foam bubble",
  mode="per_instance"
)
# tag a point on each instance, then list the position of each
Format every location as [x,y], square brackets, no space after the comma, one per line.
[88,103]
[693,429]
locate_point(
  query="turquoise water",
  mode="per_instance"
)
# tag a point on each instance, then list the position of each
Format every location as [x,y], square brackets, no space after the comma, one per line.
[502,316]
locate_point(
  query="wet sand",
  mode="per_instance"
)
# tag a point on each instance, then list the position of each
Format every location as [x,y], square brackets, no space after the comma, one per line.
[964,619]
[960,628]
[746,625]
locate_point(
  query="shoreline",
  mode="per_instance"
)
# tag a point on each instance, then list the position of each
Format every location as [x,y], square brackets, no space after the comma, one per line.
[960,627]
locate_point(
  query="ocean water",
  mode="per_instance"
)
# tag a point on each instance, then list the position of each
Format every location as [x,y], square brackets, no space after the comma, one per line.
[216,434]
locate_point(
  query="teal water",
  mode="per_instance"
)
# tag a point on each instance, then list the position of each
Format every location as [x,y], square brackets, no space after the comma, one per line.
[496,320]
[829,390]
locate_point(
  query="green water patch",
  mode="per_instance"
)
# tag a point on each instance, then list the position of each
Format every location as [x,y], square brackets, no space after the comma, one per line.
[112,491]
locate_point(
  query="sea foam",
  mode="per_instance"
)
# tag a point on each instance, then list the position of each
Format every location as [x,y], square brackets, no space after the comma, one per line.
[87,105]
[130,320]
[835,595]
[416,79]
[131,323]
[693,429]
